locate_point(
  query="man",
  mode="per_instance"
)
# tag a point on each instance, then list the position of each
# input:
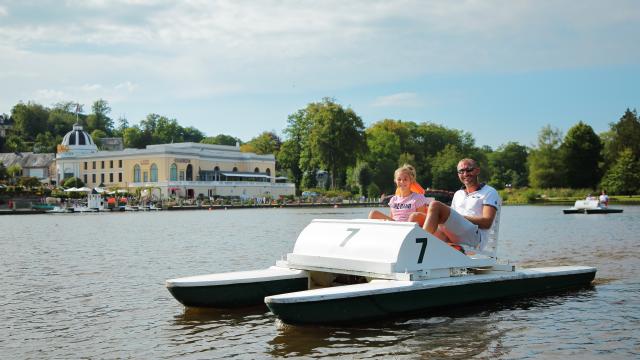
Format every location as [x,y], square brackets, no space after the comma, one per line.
[472,212]
[604,198]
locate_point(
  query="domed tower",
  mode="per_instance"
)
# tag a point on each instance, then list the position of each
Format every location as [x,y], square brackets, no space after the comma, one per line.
[76,142]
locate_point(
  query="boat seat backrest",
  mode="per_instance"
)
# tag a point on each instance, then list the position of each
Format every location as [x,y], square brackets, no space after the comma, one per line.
[491,246]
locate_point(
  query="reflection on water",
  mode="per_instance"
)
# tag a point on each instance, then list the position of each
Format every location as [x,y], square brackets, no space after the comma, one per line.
[92,286]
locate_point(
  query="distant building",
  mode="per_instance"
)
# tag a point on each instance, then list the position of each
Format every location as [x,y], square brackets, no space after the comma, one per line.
[6,123]
[180,169]
[41,166]
[111,144]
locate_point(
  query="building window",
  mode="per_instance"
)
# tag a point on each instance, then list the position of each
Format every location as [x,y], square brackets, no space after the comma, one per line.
[120,164]
[85,176]
[181,175]
[111,177]
[110,164]
[145,176]
[136,173]
[173,176]
[154,173]
[93,165]
[93,178]
[85,165]
[235,169]
[256,170]
[268,171]
[102,164]
[119,177]
[102,179]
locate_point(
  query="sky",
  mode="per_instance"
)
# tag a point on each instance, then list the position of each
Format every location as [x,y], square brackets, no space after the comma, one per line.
[498,69]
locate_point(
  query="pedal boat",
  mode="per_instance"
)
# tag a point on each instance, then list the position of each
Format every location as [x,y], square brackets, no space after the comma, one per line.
[590,207]
[346,271]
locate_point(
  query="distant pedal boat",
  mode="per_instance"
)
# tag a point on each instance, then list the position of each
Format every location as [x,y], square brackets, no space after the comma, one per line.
[344,271]
[590,207]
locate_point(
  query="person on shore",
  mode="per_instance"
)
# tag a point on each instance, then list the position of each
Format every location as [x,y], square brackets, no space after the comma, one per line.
[472,213]
[409,197]
[604,198]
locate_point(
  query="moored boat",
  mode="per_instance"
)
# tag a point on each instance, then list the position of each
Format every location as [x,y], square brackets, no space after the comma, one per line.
[353,270]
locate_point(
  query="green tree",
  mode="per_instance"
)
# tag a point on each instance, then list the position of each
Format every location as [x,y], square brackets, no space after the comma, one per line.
[373,190]
[46,143]
[546,166]
[99,119]
[29,120]
[97,136]
[289,160]
[15,143]
[221,139]
[133,138]
[29,182]
[624,175]
[123,124]
[61,118]
[509,166]
[625,134]
[295,154]
[444,168]
[265,143]
[14,171]
[362,177]
[72,182]
[3,171]
[309,179]
[384,140]
[392,143]
[336,138]
[581,150]
[191,134]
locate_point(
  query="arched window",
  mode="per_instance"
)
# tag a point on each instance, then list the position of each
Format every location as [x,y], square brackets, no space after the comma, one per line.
[268,171]
[256,170]
[154,173]
[235,169]
[136,173]
[173,176]
[189,172]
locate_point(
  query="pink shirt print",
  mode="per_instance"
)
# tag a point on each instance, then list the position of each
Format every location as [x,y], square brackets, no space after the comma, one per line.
[402,207]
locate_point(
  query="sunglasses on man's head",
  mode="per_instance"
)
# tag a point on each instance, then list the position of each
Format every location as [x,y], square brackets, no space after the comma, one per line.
[466,170]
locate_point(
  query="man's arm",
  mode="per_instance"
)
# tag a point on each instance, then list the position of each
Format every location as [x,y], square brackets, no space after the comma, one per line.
[486,219]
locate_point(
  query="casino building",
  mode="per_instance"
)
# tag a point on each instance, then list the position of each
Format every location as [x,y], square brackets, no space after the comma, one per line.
[181,169]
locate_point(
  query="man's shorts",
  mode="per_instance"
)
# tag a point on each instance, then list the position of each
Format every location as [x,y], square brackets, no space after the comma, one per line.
[461,231]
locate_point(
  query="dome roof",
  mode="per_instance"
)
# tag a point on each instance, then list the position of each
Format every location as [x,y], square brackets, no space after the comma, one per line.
[78,137]
[76,142]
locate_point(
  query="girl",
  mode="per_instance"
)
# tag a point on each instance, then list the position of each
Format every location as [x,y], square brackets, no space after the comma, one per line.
[408,199]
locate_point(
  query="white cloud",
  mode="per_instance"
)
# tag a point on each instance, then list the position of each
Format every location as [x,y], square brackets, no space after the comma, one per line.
[147,50]
[91,87]
[403,99]
[127,86]
[48,96]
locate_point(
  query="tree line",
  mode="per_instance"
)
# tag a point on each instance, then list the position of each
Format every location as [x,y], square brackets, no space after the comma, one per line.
[326,136]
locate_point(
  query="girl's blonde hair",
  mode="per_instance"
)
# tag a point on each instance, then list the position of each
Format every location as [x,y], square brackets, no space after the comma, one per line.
[408,169]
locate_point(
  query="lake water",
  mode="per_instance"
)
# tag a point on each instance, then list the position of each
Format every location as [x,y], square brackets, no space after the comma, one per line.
[92,286]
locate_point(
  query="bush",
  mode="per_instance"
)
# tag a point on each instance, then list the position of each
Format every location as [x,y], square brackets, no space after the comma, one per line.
[373,191]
